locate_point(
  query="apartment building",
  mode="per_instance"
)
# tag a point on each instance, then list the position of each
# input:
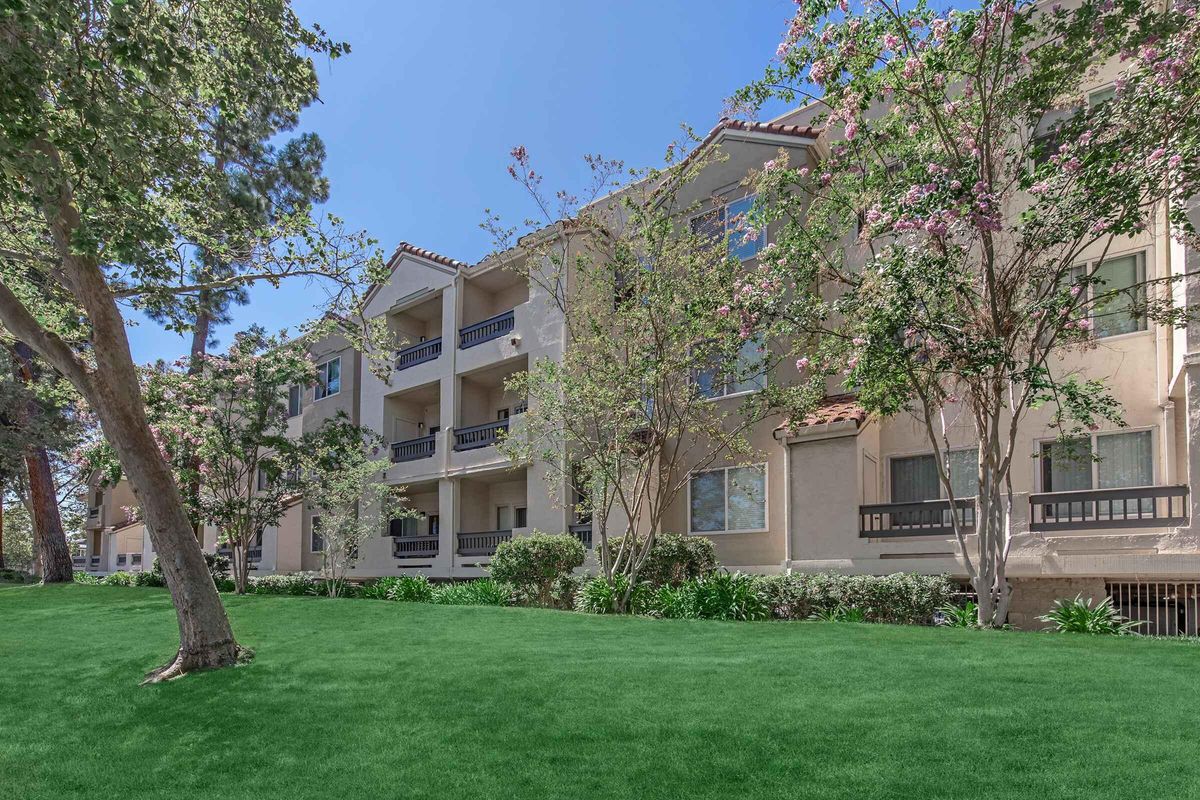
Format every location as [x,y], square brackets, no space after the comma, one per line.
[838,491]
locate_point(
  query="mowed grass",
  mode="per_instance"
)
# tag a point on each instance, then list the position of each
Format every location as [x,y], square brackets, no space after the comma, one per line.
[362,699]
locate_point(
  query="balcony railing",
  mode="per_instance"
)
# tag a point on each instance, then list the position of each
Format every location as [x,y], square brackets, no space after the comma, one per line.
[481,543]
[413,449]
[419,353]
[487,330]
[253,553]
[583,532]
[79,562]
[414,546]
[94,562]
[1099,509]
[926,518]
[476,436]
[121,559]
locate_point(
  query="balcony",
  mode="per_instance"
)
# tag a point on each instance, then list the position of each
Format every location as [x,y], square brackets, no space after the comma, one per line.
[419,353]
[1109,509]
[477,436]
[79,562]
[414,546]
[485,331]
[926,518]
[93,518]
[94,562]
[583,532]
[414,449]
[481,543]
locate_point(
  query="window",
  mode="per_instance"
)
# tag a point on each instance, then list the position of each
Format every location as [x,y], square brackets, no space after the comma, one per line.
[731,220]
[522,517]
[329,379]
[1047,136]
[501,413]
[745,375]
[915,478]
[264,480]
[1120,283]
[1121,460]
[729,499]
[435,525]
[403,526]
[294,398]
[316,541]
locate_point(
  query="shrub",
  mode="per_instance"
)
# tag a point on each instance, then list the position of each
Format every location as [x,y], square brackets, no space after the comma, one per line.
[225,585]
[1081,616]
[482,592]
[599,595]
[376,589]
[298,584]
[149,579]
[903,598]
[721,595]
[333,587]
[218,567]
[14,576]
[964,616]
[120,578]
[534,563]
[674,559]
[86,579]
[839,614]
[410,589]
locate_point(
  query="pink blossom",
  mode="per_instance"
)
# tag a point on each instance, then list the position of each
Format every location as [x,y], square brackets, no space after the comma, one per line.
[801,364]
[851,131]
[723,311]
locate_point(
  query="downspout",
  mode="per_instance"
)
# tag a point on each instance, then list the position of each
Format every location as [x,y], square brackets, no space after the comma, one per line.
[787,505]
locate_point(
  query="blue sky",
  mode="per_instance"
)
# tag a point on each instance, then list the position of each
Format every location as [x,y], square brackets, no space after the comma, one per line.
[419,119]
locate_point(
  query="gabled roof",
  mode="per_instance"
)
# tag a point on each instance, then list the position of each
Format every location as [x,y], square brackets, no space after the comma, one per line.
[421,252]
[833,408]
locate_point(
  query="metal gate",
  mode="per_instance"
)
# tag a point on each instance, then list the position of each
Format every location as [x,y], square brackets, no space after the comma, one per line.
[1165,608]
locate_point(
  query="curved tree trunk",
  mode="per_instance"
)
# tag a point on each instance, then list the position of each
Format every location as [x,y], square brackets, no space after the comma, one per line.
[1,524]
[49,537]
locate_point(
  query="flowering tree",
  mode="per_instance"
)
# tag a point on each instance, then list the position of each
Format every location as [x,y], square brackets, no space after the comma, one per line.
[956,235]
[344,484]
[228,423]
[651,346]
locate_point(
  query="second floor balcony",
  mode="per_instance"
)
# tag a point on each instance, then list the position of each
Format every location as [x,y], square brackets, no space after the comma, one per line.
[486,330]
[475,436]
[419,353]
[414,449]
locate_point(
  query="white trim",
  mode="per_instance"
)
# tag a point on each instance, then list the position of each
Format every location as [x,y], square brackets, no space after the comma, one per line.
[724,207]
[1090,265]
[1155,471]
[887,478]
[725,469]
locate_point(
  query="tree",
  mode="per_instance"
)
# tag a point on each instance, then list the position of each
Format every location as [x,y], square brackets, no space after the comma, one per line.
[626,412]
[230,418]
[937,251]
[111,120]
[344,486]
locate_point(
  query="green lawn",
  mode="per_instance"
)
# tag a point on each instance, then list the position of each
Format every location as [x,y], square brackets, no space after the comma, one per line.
[358,699]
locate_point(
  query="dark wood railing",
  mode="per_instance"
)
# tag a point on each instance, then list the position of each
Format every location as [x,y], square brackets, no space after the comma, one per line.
[253,554]
[484,435]
[413,449]
[583,532]
[79,562]
[481,543]
[419,353]
[95,562]
[485,331]
[1098,509]
[927,518]
[121,559]
[414,546]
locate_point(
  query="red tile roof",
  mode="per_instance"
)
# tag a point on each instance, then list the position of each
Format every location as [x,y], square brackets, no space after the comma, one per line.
[421,252]
[834,408]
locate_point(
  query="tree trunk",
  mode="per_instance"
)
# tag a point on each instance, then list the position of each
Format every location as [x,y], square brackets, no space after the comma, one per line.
[2,524]
[49,537]
[200,333]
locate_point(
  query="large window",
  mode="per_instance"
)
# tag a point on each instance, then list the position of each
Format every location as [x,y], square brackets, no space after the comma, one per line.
[1118,290]
[915,478]
[1103,461]
[745,374]
[316,540]
[729,499]
[329,379]
[732,221]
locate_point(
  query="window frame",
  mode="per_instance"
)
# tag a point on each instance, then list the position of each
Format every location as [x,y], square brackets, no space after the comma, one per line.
[723,211]
[894,457]
[1155,473]
[313,522]
[725,469]
[726,383]
[299,395]
[1089,267]
[322,383]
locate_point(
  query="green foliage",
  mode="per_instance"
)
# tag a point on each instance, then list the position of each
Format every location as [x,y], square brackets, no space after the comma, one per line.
[85,579]
[149,579]
[673,558]
[120,578]
[225,585]
[298,584]
[1086,616]
[964,616]
[218,567]
[601,595]
[14,576]
[839,613]
[536,562]
[720,595]
[481,592]
[904,598]
[402,588]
